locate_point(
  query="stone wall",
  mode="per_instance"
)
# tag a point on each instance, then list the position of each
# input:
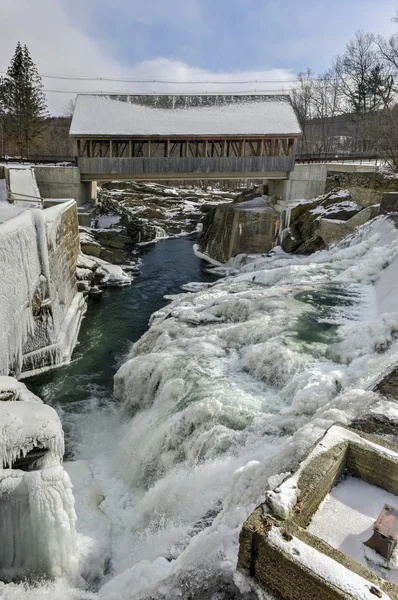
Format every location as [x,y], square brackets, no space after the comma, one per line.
[366,188]
[281,555]
[41,310]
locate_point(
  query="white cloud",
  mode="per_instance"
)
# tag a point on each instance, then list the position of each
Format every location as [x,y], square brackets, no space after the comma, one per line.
[60,46]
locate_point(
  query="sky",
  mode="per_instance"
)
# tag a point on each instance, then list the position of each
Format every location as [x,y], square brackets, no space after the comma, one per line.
[183,41]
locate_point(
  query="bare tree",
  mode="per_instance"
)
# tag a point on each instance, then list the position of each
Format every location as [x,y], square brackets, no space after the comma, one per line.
[316,101]
[383,133]
[365,81]
[389,50]
[69,108]
[326,106]
[302,100]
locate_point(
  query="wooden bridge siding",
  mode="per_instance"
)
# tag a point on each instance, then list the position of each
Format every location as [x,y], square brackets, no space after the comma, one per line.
[185,147]
[170,166]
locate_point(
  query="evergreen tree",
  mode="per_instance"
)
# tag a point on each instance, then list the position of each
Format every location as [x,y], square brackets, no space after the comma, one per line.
[23,101]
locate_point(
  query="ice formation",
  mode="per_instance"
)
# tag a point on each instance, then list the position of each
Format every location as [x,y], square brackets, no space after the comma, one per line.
[37,524]
[37,516]
[14,390]
[29,275]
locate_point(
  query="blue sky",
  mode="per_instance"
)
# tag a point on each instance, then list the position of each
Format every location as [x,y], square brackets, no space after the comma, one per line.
[182,39]
[228,35]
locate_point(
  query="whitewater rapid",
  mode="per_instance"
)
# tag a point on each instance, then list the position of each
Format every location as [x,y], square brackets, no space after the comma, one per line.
[218,401]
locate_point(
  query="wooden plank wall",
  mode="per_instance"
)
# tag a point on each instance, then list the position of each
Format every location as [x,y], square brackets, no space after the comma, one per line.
[170,166]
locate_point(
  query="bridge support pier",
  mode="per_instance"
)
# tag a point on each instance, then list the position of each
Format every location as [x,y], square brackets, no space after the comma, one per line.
[305,182]
[64,182]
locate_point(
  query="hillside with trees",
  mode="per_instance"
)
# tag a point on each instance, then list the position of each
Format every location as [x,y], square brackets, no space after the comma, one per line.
[353,106]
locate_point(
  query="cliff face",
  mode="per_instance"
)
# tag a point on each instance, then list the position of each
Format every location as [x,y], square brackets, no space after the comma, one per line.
[236,228]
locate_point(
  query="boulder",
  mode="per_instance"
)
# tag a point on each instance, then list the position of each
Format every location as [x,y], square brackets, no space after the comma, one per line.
[389,203]
[248,194]
[88,243]
[83,274]
[239,228]
[313,225]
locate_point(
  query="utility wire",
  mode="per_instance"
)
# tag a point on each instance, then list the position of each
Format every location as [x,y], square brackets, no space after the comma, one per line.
[166,81]
[173,81]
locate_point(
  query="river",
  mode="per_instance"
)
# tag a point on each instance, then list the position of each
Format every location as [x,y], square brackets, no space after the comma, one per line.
[114,320]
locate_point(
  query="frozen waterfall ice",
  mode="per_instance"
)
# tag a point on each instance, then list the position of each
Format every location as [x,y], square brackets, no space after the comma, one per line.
[37,515]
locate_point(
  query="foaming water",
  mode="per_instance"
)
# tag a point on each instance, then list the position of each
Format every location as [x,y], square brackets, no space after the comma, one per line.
[219,398]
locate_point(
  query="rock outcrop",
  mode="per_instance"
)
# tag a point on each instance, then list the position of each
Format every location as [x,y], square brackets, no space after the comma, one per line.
[244,226]
[40,309]
[315,224]
[131,213]
[151,206]
[95,273]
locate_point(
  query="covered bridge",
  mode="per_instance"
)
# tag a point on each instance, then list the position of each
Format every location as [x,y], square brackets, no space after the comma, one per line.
[184,137]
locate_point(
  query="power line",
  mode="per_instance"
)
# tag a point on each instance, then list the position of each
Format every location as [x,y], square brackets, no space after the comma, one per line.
[163,81]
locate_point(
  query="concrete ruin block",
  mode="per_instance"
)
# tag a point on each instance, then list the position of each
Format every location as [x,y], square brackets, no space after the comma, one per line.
[277,551]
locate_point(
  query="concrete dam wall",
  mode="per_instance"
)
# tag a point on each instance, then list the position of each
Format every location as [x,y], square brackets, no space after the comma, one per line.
[40,308]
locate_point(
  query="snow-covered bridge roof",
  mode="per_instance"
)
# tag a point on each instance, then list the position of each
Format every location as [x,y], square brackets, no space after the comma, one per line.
[114,115]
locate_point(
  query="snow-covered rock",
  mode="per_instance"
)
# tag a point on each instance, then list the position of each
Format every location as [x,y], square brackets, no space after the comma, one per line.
[13,390]
[95,272]
[27,425]
[113,275]
[145,208]
[312,225]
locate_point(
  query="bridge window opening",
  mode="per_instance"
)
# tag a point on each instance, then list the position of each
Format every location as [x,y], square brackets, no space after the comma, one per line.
[83,148]
[174,150]
[284,147]
[101,148]
[159,149]
[218,147]
[234,148]
[139,149]
[198,149]
[120,149]
[193,149]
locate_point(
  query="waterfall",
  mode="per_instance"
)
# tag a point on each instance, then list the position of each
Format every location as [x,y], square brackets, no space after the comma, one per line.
[285,221]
